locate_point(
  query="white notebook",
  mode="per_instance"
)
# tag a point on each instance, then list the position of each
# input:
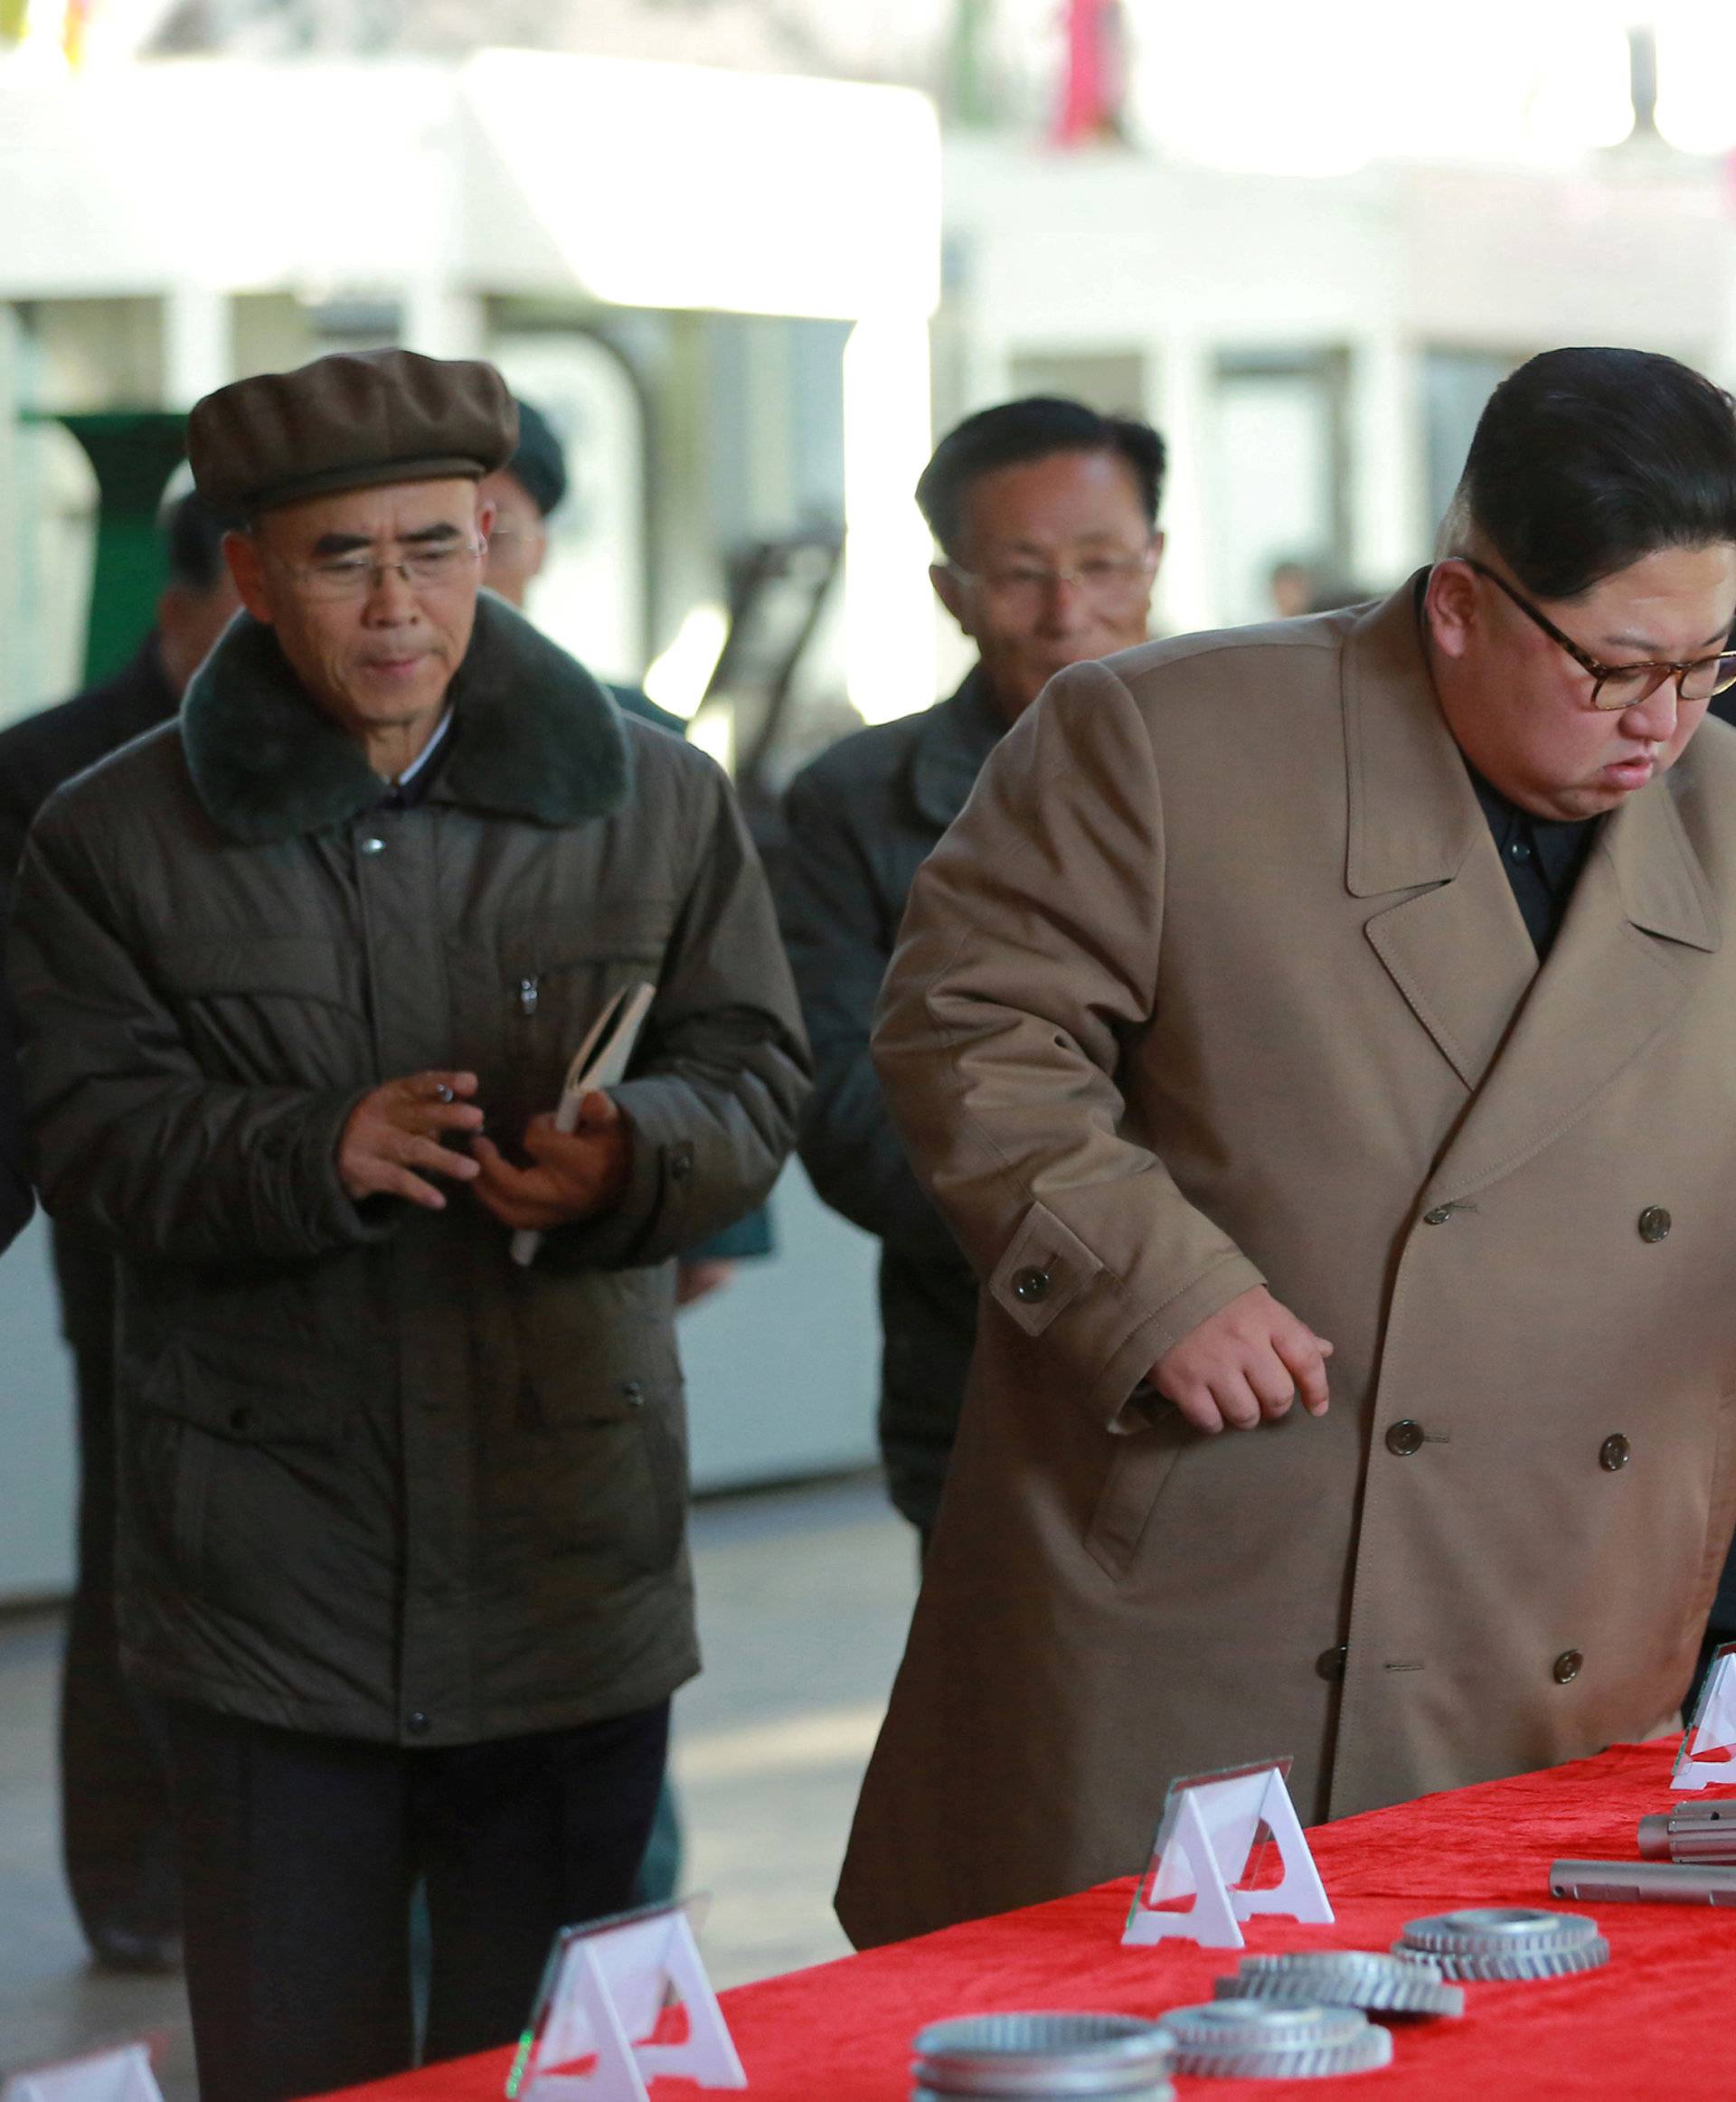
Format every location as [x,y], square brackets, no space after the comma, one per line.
[599,1062]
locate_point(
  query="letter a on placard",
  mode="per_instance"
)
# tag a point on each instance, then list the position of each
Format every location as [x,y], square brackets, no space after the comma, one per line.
[1210,1824]
[1713,1729]
[113,2076]
[603,1995]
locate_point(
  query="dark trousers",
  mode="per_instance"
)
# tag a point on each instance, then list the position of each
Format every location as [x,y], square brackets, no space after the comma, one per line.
[298,1855]
[115,1823]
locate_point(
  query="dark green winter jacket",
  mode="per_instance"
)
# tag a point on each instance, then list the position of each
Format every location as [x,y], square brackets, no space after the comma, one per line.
[376,1481]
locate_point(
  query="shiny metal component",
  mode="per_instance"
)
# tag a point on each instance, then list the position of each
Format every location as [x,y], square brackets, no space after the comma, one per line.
[1257,2040]
[1692,1832]
[1379,1984]
[1644,1883]
[1005,2057]
[1505,1941]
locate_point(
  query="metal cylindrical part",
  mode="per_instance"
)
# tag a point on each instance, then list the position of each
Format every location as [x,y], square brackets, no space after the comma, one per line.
[1655,1837]
[1692,1832]
[1042,2058]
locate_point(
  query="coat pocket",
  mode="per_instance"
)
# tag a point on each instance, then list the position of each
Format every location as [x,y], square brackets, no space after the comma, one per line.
[1138,1469]
[254,1391]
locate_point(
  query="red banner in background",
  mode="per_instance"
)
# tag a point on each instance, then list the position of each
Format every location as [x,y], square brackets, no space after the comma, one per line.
[1094,86]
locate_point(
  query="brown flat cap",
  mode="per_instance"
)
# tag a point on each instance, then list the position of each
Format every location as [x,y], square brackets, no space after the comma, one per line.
[351,420]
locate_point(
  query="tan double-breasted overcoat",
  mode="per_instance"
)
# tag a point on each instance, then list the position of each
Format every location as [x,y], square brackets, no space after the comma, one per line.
[1219,978]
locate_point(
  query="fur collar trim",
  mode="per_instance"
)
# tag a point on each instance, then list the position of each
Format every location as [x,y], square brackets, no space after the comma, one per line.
[537,738]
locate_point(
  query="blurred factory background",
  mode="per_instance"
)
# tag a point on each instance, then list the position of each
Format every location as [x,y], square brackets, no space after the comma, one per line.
[749,256]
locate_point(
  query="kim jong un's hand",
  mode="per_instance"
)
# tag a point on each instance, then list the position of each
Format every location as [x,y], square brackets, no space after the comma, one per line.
[572,1176]
[398,1128]
[1246,1364]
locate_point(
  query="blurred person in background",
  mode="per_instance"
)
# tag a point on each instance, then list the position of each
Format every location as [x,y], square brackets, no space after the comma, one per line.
[15,1200]
[1337,1011]
[1046,517]
[115,1823]
[1299,587]
[401,1540]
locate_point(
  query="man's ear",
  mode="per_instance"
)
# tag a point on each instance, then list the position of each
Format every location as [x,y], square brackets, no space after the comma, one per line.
[952,593]
[241,552]
[1450,607]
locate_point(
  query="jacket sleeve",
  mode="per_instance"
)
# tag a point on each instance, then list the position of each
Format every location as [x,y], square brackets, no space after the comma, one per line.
[1029,956]
[839,950]
[132,1139]
[721,1072]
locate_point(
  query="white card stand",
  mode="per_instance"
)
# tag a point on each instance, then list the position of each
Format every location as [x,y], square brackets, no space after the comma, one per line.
[113,2076]
[611,1988]
[1713,1729]
[1204,1845]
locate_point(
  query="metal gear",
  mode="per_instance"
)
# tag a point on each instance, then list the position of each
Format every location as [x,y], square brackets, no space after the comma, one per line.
[1505,1941]
[1006,2056]
[1379,1984]
[1256,2039]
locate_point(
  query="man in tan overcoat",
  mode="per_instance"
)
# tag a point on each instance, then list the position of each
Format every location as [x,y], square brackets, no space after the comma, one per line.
[1343,1009]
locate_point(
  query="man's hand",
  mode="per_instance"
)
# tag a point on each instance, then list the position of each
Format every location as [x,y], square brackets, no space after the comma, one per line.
[398,1128]
[572,1176]
[1249,1361]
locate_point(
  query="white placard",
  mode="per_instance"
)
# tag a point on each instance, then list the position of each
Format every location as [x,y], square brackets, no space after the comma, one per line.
[1713,1728]
[1210,1824]
[603,1992]
[112,2075]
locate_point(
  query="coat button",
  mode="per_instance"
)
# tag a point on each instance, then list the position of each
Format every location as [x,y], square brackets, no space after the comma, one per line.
[1404,1438]
[416,1722]
[1566,1667]
[372,846]
[1439,1216]
[1030,1286]
[681,1166]
[633,1394]
[1330,1663]
[1655,1223]
[1614,1454]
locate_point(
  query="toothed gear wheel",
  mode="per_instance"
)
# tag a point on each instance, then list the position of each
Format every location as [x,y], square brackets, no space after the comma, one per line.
[1256,2039]
[1380,1985]
[1511,1941]
[998,2057]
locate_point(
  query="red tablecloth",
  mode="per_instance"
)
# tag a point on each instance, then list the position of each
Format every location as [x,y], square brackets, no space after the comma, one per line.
[1659,2022]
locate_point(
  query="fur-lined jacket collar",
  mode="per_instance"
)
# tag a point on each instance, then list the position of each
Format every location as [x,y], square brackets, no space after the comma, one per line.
[538,738]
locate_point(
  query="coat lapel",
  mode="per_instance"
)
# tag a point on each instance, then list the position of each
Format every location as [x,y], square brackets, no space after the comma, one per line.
[1456,948]
[1636,942]
[951,749]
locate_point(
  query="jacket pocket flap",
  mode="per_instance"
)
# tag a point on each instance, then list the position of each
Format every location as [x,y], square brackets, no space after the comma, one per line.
[635,935]
[257,1393]
[290,965]
[1042,1272]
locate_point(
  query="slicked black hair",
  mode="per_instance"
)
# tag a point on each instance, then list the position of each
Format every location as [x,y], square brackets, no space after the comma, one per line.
[194,532]
[1031,428]
[1586,460]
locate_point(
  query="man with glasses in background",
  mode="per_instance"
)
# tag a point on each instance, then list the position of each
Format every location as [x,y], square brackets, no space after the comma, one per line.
[402,1558]
[1046,516]
[1338,1011]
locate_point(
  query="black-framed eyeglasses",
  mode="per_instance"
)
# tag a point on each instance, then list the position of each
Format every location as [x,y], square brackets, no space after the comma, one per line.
[1619,686]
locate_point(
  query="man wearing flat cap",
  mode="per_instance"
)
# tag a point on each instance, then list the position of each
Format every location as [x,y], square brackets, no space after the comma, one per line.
[401,1542]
